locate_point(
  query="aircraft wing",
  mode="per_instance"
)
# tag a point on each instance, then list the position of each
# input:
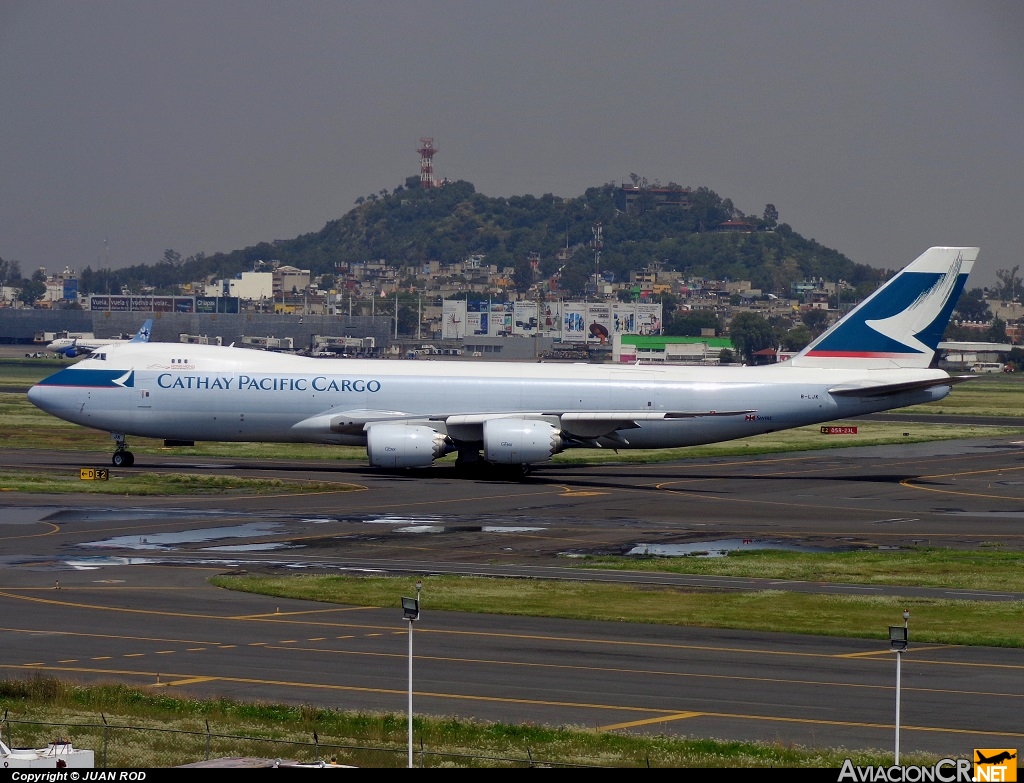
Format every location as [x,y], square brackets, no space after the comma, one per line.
[874,389]
[585,425]
[354,422]
[598,424]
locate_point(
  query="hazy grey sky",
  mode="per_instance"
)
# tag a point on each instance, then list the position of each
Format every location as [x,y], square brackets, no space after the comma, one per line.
[878,128]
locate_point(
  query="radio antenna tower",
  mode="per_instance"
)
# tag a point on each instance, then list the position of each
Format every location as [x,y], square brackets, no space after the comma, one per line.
[426,151]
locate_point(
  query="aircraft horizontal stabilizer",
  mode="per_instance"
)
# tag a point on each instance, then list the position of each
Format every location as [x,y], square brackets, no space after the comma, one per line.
[888,389]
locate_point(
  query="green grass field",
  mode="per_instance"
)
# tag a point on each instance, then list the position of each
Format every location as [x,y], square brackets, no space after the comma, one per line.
[91,717]
[160,484]
[990,623]
[983,569]
[986,395]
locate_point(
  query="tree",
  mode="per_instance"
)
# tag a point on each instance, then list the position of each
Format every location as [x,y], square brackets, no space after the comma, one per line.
[31,290]
[707,209]
[797,338]
[816,320]
[10,272]
[1016,358]
[574,279]
[997,331]
[522,277]
[690,323]
[1009,283]
[972,306]
[750,333]
[771,216]
[171,258]
[956,333]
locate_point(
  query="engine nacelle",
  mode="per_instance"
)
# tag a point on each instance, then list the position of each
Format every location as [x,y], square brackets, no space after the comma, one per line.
[520,441]
[404,446]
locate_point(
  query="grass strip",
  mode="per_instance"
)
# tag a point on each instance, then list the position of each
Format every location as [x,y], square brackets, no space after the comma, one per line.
[990,623]
[986,569]
[150,484]
[456,743]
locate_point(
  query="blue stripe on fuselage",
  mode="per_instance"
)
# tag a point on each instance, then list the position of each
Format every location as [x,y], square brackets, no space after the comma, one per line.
[91,379]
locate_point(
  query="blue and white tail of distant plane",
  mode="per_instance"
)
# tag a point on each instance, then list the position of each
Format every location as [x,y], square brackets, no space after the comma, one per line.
[142,336]
[899,325]
[78,346]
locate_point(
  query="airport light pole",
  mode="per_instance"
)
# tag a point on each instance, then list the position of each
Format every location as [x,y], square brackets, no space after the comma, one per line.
[899,638]
[411,611]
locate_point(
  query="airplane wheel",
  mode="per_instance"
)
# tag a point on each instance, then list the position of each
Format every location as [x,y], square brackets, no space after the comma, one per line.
[123,459]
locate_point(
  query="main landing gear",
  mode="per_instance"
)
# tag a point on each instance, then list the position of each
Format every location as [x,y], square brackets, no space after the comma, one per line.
[122,457]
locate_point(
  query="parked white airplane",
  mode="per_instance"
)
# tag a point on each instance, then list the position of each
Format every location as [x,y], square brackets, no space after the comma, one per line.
[408,414]
[79,346]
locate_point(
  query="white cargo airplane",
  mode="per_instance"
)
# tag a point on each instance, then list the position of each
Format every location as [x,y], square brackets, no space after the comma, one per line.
[81,346]
[408,414]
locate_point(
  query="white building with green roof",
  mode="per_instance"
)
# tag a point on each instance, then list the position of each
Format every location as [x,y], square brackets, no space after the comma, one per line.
[633,348]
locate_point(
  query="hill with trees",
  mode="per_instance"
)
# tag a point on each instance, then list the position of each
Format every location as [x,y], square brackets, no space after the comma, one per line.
[409,226]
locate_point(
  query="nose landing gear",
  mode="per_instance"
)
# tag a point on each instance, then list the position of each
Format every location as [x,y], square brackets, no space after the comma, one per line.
[122,457]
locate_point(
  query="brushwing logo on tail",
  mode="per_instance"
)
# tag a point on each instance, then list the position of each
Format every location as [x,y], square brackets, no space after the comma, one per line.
[908,320]
[924,311]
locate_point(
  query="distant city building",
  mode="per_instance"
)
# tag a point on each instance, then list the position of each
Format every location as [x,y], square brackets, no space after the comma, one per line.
[247,285]
[288,279]
[736,226]
[628,197]
[589,322]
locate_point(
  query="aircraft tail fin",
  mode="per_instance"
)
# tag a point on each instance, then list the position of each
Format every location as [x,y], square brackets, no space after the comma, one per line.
[142,336]
[901,323]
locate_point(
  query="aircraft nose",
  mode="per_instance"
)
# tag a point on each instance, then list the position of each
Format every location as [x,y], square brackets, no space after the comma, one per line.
[42,397]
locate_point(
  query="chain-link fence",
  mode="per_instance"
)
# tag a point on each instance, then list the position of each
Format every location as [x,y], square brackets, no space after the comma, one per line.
[122,747]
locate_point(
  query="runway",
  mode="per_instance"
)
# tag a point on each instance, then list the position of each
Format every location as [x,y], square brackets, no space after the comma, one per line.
[134,605]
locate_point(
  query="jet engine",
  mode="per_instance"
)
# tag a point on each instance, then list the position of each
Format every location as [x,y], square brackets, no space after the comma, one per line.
[520,441]
[404,446]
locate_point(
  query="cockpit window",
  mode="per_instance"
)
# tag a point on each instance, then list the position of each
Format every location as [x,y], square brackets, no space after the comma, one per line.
[101,356]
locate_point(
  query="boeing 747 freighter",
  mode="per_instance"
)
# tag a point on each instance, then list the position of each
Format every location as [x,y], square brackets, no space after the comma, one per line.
[408,414]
